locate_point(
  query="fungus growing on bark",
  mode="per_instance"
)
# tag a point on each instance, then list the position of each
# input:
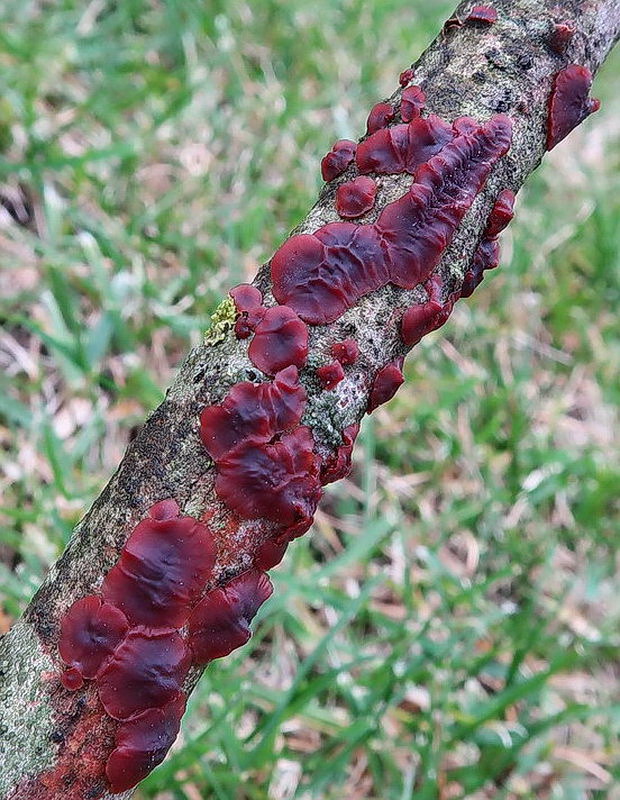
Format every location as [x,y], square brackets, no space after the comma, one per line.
[501,213]
[321,275]
[142,743]
[248,302]
[406,76]
[560,37]
[355,198]
[385,384]
[412,102]
[146,671]
[569,103]
[347,351]
[338,159]
[338,464]
[280,340]
[221,621]
[162,569]
[484,15]
[90,631]
[381,114]
[270,553]
[72,679]
[330,375]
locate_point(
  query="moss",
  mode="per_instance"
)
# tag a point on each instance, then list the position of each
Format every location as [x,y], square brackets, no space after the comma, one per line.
[222,321]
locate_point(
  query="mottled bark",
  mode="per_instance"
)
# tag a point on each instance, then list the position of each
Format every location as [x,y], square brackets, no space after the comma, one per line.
[507,67]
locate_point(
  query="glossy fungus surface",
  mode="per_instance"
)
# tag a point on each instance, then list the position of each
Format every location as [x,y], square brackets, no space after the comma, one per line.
[338,465]
[385,384]
[89,633]
[380,116]
[347,351]
[501,213]
[248,302]
[321,275]
[221,621]
[484,15]
[412,103]
[406,76]
[569,103]
[338,159]
[330,375]
[357,197]
[560,36]
[280,340]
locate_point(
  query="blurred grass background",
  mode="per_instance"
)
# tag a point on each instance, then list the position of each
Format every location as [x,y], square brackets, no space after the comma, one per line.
[450,627]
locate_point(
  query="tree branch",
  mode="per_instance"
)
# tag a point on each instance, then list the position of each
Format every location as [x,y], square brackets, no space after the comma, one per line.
[56,742]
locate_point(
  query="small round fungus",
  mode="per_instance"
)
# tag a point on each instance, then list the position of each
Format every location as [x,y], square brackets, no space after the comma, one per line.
[72,679]
[338,159]
[330,375]
[385,384]
[560,36]
[569,103]
[270,553]
[338,464]
[221,621]
[146,671]
[412,102]
[280,340]
[246,297]
[381,114]
[347,352]
[142,743]
[90,631]
[406,76]
[356,198]
[483,15]
[419,320]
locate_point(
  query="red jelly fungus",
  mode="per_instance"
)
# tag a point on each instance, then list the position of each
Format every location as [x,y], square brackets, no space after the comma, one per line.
[338,159]
[280,340]
[322,275]
[330,375]
[380,116]
[147,671]
[246,297]
[485,15]
[419,320]
[406,76]
[412,102]
[270,553]
[72,679]
[385,385]
[569,103]
[347,352]
[338,465]
[560,37]
[161,571]
[253,413]
[355,198]
[142,743]
[221,621]
[277,481]
[501,213]
[89,633]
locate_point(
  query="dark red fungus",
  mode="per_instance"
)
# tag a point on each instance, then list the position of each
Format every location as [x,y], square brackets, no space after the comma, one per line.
[381,114]
[569,103]
[419,320]
[355,198]
[321,275]
[406,76]
[338,464]
[338,159]
[253,413]
[72,679]
[501,213]
[385,384]
[162,570]
[270,553]
[485,15]
[412,102]
[347,352]
[221,621]
[142,743]
[560,37]
[277,481]
[146,671]
[246,297]
[90,631]
[280,340]
[402,148]
[330,375]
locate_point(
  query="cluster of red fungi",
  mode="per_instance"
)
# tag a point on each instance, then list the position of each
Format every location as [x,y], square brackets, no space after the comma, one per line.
[152,619]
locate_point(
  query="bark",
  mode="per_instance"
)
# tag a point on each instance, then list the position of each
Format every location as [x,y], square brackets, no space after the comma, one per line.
[507,67]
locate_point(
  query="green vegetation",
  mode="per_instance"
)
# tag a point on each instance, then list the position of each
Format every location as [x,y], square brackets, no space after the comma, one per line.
[450,627]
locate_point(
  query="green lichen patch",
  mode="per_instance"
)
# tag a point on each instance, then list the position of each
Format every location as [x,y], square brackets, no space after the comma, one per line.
[222,321]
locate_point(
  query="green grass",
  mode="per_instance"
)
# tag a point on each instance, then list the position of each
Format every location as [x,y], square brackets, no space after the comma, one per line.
[450,627]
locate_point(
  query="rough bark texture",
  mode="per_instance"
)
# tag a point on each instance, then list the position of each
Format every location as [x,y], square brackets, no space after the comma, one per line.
[507,67]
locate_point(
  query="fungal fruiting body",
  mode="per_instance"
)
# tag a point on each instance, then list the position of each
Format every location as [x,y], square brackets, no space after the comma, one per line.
[560,36]
[485,15]
[412,103]
[569,103]
[406,76]
[380,115]
[338,159]
[356,198]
